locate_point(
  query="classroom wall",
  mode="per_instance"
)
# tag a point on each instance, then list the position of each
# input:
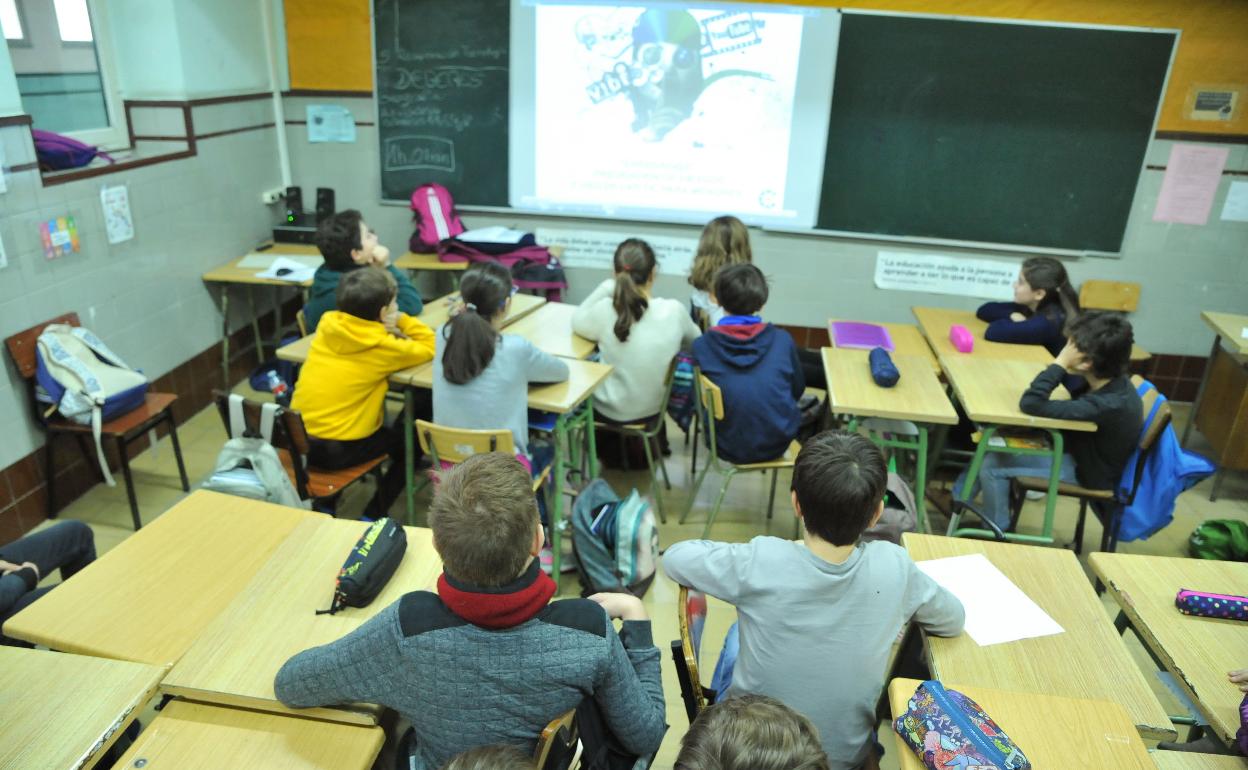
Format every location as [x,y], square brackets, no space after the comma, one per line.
[10,97]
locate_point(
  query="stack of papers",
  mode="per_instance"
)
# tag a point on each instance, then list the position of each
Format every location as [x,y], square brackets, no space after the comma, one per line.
[997,611]
[287,269]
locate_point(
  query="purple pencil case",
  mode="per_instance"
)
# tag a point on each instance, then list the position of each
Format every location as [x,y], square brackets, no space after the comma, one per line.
[1209,605]
[853,334]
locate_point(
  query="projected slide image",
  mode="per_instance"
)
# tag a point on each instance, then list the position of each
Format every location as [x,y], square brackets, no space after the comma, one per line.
[665,107]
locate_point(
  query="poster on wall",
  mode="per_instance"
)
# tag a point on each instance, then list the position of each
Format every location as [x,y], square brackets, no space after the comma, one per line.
[962,276]
[117,221]
[596,249]
[1193,173]
[59,237]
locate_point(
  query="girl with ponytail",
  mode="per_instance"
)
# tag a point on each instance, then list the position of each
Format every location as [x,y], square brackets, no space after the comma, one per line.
[1044,306]
[637,333]
[480,375]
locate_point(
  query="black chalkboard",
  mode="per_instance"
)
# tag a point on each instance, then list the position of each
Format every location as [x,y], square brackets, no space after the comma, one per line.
[992,132]
[442,97]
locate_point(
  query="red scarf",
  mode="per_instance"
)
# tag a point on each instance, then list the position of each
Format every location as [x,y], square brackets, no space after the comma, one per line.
[500,607]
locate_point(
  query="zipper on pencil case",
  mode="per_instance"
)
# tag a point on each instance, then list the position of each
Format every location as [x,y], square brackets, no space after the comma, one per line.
[1185,593]
[971,732]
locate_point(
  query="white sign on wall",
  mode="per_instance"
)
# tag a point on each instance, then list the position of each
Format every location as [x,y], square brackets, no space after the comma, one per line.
[596,248]
[908,271]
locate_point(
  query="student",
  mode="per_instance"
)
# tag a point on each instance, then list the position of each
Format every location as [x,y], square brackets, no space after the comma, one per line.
[342,386]
[725,241]
[348,243]
[751,732]
[637,333]
[1044,304]
[757,368]
[485,660]
[1099,349]
[819,616]
[491,758]
[480,376]
[67,545]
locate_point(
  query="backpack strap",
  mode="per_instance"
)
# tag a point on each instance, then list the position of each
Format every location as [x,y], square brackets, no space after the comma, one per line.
[268,416]
[238,425]
[98,347]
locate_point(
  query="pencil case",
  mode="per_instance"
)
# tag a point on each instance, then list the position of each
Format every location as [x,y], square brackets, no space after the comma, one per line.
[1209,605]
[961,338]
[947,729]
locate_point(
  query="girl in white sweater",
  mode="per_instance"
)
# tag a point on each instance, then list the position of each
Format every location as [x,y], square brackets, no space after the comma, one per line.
[636,333]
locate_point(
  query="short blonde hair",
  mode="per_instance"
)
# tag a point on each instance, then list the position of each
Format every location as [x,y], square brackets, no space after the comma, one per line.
[490,758]
[484,518]
[751,732]
[725,241]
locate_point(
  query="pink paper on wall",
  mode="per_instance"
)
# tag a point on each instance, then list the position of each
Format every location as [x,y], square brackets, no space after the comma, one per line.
[1190,184]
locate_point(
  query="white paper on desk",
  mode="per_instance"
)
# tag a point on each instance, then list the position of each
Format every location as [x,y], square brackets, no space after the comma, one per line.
[997,611]
[1235,208]
[496,234]
[262,260]
[299,272]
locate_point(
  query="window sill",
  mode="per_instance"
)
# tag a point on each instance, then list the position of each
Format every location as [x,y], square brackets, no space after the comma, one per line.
[129,159]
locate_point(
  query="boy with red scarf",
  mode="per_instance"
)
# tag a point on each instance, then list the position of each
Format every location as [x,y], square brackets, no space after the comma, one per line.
[486,659]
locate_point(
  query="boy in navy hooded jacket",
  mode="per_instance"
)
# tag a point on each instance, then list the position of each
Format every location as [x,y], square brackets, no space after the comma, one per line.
[757,368]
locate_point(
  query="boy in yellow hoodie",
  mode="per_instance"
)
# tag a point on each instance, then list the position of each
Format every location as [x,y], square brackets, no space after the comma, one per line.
[342,387]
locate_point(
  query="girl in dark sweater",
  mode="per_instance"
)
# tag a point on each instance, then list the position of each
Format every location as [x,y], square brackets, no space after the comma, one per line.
[1044,304]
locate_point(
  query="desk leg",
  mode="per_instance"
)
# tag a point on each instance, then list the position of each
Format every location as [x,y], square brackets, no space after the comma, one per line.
[591,441]
[1200,393]
[920,480]
[1055,473]
[255,325]
[972,473]
[225,336]
[558,470]
[409,453]
[1055,455]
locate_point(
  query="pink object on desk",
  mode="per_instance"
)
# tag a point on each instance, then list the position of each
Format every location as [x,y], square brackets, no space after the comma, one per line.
[852,334]
[961,338]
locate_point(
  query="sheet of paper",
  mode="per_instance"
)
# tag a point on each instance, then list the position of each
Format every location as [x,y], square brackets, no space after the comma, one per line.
[261,260]
[1235,208]
[286,269]
[997,611]
[938,274]
[1244,333]
[496,234]
[1192,176]
[117,220]
[330,123]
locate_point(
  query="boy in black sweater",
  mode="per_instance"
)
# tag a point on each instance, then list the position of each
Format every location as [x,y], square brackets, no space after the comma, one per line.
[1098,349]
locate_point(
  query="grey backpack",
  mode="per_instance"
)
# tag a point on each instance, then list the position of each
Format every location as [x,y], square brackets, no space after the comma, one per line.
[901,513]
[250,467]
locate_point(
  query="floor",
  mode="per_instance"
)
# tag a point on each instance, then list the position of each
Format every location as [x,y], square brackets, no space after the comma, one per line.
[741,518]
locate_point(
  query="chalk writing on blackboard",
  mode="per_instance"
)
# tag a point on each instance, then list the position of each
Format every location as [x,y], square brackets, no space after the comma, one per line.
[418,152]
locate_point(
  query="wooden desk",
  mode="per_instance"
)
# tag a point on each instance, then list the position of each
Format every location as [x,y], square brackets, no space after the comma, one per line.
[1087,660]
[907,340]
[1221,406]
[232,274]
[438,311]
[1197,651]
[1182,760]
[64,711]
[918,396]
[1051,731]
[234,661]
[935,323]
[989,390]
[147,599]
[198,736]
[413,261]
[550,329]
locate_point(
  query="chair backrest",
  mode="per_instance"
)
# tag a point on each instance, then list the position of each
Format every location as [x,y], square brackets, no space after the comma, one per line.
[22,345]
[558,743]
[454,445]
[691,612]
[1123,296]
[289,433]
[301,321]
[1148,438]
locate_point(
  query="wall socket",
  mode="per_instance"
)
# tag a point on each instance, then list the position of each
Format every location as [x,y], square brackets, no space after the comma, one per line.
[272,196]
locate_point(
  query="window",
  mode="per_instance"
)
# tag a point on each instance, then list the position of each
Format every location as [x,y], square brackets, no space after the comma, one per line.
[11,21]
[63,68]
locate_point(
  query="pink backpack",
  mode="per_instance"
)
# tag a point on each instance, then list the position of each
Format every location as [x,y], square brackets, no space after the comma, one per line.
[435,218]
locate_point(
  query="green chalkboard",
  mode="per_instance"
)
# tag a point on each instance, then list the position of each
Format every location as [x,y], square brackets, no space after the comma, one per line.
[1021,134]
[442,97]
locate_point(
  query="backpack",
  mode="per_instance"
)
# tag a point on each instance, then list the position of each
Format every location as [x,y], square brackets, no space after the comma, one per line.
[86,382]
[1219,539]
[532,267]
[616,542]
[680,402]
[249,466]
[56,152]
[901,512]
[433,211]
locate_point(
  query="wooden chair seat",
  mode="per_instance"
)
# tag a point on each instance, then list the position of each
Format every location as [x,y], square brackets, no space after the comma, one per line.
[784,461]
[1139,354]
[1038,484]
[327,483]
[153,408]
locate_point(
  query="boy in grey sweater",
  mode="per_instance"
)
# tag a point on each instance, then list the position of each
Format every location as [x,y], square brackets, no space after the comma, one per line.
[486,660]
[817,617]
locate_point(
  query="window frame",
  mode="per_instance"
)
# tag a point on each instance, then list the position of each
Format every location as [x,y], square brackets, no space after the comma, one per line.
[24,40]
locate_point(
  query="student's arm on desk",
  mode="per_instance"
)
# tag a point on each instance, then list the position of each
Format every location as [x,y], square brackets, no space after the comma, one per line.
[933,607]
[996,311]
[359,667]
[719,569]
[596,312]
[1036,399]
[409,299]
[540,366]
[417,349]
[1036,330]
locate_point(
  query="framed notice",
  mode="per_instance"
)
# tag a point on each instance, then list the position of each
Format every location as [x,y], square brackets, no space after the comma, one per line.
[1213,101]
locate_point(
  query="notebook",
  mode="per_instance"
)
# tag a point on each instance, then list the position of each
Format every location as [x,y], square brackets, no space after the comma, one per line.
[852,334]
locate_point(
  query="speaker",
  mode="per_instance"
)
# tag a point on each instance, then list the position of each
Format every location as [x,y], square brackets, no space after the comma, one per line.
[324,204]
[294,204]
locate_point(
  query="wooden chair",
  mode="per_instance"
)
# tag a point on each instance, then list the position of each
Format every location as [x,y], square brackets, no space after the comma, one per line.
[649,435]
[559,746]
[454,445]
[123,430]
[711,400]
[691,613]
[301,321]
[1122,296]
[1106,504]
[290,438]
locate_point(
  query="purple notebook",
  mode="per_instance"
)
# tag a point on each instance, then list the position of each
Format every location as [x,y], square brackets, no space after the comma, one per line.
[852,334]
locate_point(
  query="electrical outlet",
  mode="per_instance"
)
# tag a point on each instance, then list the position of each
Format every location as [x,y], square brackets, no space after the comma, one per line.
[272,196]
